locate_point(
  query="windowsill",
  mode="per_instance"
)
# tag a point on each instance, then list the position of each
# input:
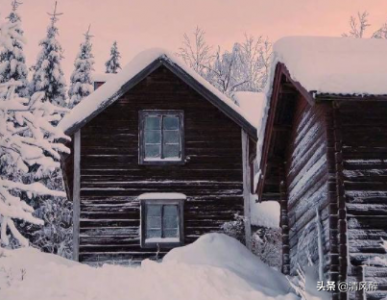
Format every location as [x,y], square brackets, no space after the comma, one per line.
[164,161]
[162,243]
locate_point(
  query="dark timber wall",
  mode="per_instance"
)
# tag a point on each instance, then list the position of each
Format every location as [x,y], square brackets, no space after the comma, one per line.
[364,135]
[307,176]
[111,177]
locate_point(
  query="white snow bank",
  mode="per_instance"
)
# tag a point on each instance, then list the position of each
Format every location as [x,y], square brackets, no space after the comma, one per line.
[222,251]
[214,268]
[252,104]
[265,213]
[108,92]
[169,196]
[335,65]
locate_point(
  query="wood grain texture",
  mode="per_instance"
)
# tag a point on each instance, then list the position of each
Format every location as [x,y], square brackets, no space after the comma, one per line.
[112,178]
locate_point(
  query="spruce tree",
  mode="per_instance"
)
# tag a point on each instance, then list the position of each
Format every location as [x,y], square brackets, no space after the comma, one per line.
[12,59]
[28,147]
[113,64]
[48,75]
[81,79]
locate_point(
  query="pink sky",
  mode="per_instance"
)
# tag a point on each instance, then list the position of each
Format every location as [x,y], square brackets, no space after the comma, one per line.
[141,24]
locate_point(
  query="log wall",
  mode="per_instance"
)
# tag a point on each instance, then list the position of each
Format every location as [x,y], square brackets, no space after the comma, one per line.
[364,135]
[307,175]
[111,178]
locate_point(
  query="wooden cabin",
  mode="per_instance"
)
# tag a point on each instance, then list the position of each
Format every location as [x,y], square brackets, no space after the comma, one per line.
[323,155]
[159,158]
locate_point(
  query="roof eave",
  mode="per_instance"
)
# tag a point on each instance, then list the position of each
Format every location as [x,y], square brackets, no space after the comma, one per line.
[182,74]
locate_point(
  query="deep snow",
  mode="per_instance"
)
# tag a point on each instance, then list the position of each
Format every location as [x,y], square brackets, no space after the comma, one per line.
[215,267]
[335,64]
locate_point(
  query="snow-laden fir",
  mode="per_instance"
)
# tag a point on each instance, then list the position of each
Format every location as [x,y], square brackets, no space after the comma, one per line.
[48,76]
[81,78]
[12,57]
[113,64]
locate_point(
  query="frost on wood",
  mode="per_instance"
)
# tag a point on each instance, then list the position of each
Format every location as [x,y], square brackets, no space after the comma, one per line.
[12,58]
[81,79]
[48,76]
[113,64]
[28,144]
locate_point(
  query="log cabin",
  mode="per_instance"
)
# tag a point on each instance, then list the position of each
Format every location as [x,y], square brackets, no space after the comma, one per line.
[322,153]
[158,158]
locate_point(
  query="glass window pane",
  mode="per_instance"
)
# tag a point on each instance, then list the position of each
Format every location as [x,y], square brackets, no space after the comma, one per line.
[168,233]
[171,122]
[153,210]
[153,137]
[153,222]
[152,151]
[171,137]
[152,122]
[171,217]
[172,151]
[154,233]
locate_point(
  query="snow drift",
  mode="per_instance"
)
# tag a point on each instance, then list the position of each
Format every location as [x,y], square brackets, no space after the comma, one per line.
[214,267]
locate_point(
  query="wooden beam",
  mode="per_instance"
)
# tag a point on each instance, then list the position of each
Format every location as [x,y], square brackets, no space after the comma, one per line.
[76,193]
[246,187]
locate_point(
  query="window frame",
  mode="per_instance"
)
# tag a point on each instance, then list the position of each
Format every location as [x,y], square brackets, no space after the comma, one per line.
[141,138]
[180,206]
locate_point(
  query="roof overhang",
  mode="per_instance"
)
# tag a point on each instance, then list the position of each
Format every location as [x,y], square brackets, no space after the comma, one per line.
[184,76]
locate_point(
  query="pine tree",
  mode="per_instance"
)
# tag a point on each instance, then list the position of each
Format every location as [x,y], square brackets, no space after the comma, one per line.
[48,76]
[12,60]
[28,145]
[113,64]
[81,79]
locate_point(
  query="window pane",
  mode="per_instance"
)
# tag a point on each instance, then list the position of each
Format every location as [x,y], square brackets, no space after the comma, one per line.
[172,151]
[171,122]
[153,210]
[152,151]
[154,233]
[153,221]
[168,233]
[153,137]
[171,137]
[171,217]
[153,122]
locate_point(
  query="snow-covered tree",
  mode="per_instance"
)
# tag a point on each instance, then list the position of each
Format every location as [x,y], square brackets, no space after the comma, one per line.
[358,25]
[28,145]
[48,75]
[381,33]
[12,58]
[113,64]
[245,68]
[195,52]
[81,78]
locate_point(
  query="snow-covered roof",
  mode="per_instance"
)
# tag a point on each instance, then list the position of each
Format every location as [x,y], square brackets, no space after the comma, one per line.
[328,65]
[142,65]
[335,65]
[252,104]
[102,77]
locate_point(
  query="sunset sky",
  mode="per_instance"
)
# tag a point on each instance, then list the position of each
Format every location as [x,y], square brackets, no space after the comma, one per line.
[141,24]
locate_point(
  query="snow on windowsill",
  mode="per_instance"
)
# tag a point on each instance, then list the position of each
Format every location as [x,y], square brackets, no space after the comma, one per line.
[163,159]
[162,196]
[158,240]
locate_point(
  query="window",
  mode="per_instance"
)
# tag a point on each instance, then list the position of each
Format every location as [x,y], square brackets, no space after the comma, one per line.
[161,137]
[161,219]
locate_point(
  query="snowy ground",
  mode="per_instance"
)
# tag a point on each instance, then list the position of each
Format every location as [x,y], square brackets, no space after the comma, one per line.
[215,267]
